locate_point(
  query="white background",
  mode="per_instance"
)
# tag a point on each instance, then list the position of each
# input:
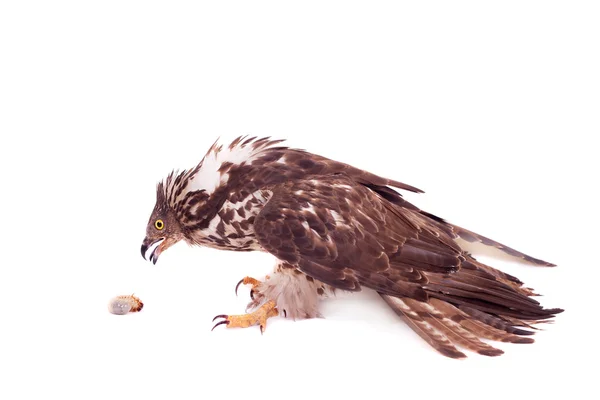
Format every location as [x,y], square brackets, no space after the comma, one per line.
[493,110]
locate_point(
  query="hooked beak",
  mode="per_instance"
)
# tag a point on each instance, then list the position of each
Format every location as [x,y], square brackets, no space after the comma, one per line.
[153,248]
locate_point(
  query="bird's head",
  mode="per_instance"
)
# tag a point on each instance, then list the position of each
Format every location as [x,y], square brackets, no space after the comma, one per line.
[187,201]
[163,229]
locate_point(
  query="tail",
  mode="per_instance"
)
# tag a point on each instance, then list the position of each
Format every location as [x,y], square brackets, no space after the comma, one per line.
[476,302]
[445,326]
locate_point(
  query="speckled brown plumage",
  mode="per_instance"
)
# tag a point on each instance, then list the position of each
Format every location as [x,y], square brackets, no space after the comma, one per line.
[332,226]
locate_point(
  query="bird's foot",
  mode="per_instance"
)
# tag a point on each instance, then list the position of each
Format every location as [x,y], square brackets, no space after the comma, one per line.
[258,317]
[255,292]
[249,281]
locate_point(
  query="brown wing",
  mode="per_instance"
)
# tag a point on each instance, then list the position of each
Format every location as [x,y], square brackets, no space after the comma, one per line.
[348,235]
[341,233]
[453,230]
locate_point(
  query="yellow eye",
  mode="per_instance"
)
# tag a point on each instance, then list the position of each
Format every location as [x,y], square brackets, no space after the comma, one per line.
[159,224]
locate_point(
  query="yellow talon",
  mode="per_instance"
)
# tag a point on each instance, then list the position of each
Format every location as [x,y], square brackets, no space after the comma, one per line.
[258,317]
[248,281]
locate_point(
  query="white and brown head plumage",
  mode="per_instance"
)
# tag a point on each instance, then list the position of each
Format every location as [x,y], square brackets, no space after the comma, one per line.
[345,228]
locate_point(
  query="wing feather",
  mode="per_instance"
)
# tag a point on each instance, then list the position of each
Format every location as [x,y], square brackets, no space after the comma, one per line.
[348,235]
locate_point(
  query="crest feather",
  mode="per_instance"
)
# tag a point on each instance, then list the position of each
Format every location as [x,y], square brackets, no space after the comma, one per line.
[209,174]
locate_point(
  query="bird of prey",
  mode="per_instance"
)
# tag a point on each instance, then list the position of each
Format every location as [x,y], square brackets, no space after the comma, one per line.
[332,226]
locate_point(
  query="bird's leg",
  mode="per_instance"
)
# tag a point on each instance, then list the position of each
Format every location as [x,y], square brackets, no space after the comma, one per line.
[258,317]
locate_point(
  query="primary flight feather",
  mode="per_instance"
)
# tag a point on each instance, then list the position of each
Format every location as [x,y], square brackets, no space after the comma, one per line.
[332,226]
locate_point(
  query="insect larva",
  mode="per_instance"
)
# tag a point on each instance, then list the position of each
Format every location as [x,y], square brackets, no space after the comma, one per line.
[121,305]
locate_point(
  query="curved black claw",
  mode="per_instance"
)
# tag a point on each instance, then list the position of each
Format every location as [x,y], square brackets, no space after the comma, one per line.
[238,285]
[220,323]
[220,316]
[252,294]
[225,321]
[284,314]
